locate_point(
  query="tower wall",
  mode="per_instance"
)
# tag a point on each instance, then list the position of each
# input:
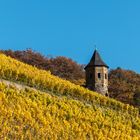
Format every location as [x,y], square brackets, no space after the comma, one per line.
[90,78]
[97,79]
[101,84]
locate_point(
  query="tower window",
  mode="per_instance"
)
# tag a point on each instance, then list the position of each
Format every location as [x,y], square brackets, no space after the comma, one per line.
[99,75]
[90,76]
[105,76]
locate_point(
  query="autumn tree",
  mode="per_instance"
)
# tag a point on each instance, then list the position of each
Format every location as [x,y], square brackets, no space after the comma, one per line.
[123,85]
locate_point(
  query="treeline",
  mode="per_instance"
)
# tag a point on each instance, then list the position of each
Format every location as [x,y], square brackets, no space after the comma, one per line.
[59,66]
[124,85]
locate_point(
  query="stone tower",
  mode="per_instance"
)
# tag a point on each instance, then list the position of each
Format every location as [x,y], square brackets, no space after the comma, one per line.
[97,74]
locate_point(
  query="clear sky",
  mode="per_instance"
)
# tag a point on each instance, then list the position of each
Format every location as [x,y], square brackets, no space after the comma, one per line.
[72,27]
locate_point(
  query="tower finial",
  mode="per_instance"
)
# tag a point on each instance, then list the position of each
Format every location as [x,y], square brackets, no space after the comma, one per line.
[95,47]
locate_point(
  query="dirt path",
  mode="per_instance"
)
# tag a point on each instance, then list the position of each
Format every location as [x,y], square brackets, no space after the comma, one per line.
[17,85]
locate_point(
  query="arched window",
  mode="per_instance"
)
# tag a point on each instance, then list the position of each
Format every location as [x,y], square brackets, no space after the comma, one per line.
[105,76]
[99,75]
[91,75]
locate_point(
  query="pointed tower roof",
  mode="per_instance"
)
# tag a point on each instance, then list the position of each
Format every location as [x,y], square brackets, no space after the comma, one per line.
[96,60]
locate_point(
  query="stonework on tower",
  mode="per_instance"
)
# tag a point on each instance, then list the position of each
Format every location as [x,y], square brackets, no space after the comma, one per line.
[97,74]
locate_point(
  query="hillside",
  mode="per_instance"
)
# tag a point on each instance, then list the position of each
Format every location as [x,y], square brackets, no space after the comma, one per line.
[60,66]
[57,109]
[123,84]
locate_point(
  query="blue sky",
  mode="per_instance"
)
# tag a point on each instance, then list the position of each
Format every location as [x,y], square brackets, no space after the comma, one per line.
[72,27]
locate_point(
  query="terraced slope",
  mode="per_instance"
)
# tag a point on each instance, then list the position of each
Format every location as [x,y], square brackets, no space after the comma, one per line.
[62,111]
[31,114]
[13,70]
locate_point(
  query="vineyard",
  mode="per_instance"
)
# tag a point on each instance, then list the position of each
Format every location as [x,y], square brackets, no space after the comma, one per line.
[58,109]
